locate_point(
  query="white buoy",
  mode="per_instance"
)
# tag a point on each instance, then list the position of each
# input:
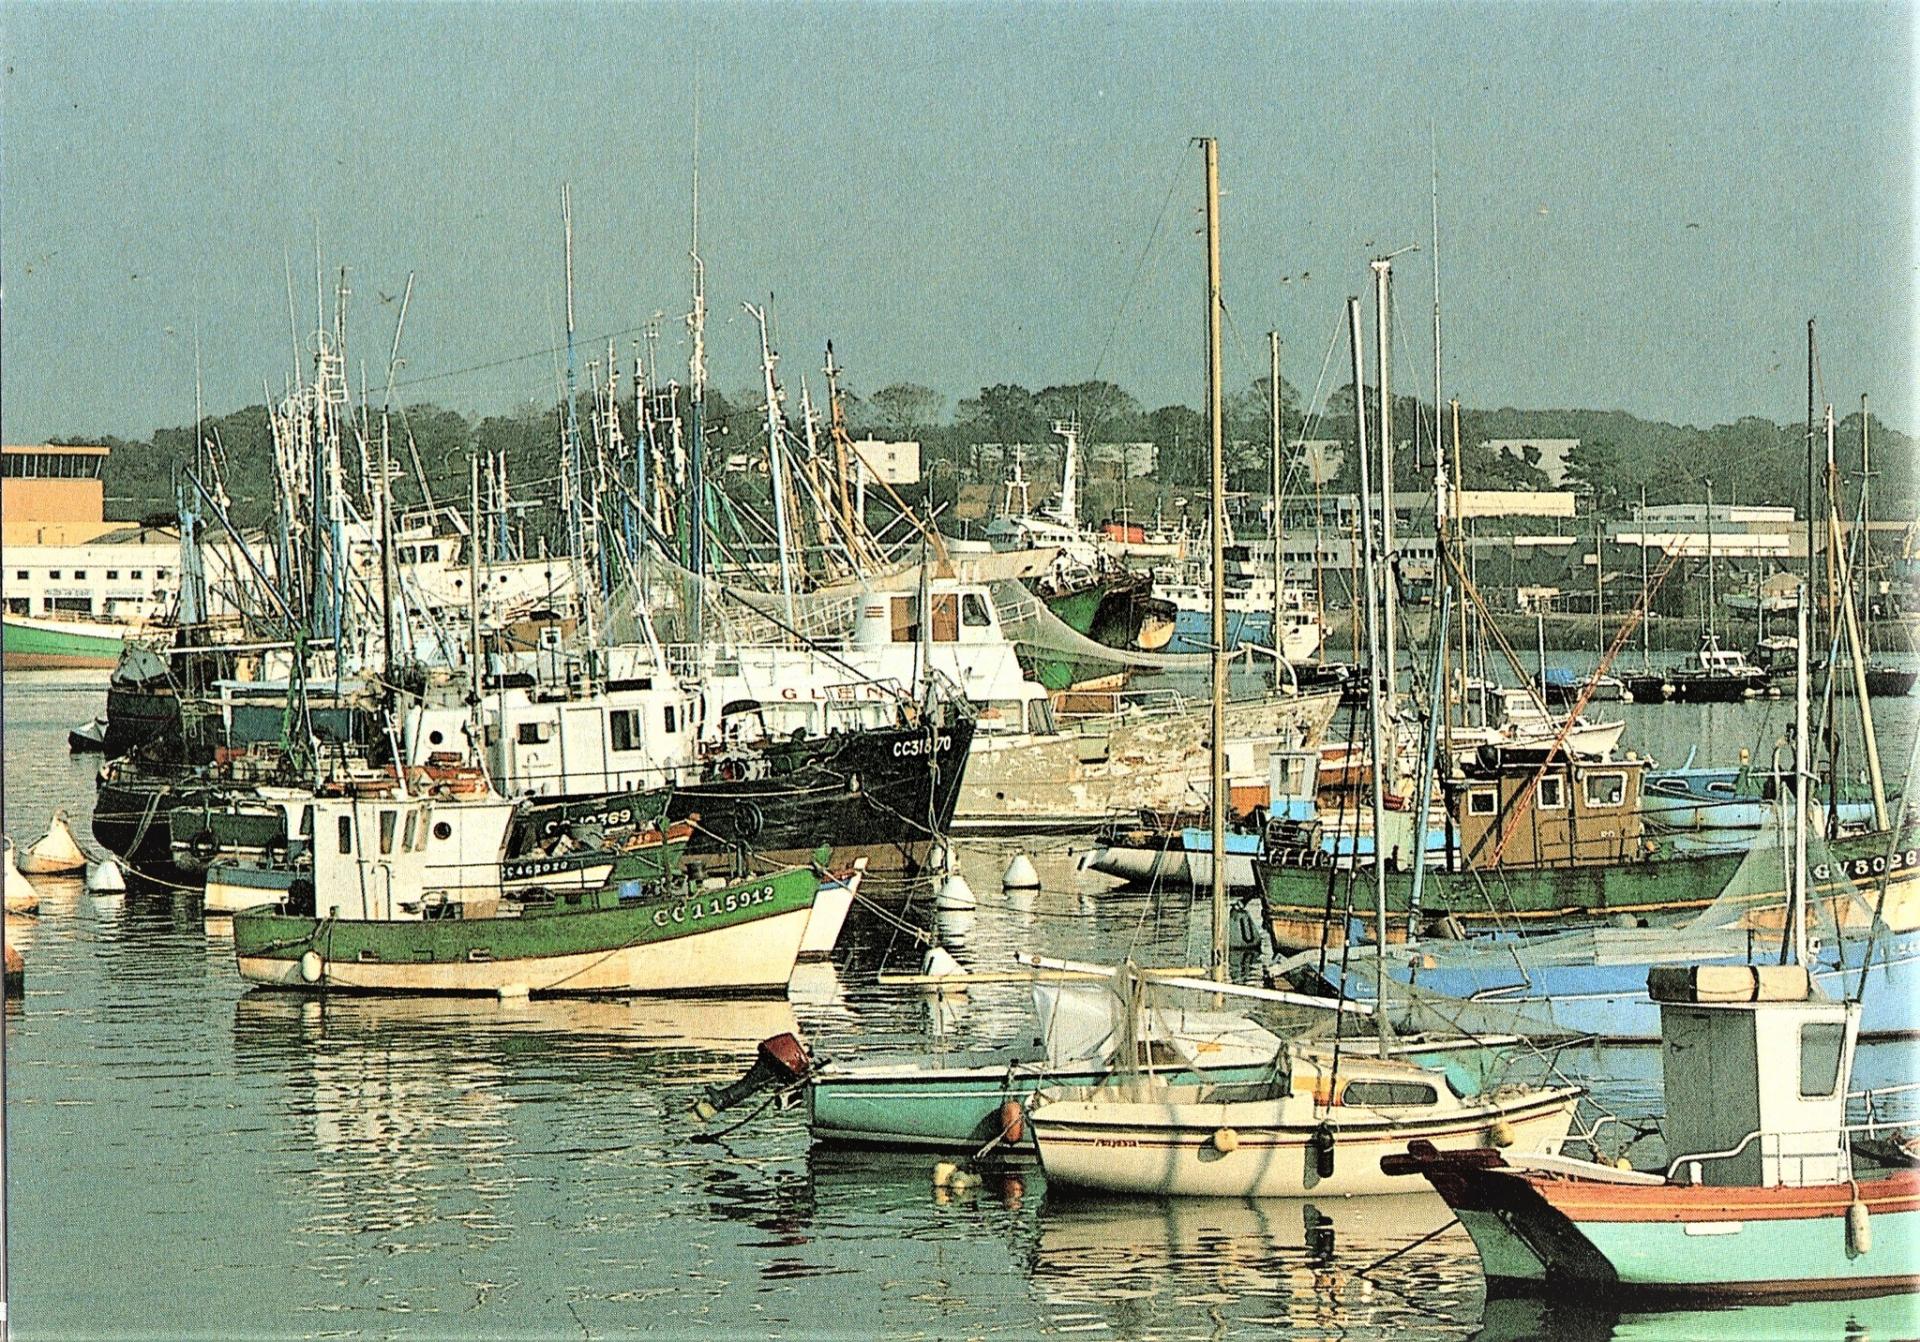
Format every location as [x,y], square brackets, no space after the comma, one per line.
[1020,874]
[105,878]
[54,853]
[955,893]
[21,897]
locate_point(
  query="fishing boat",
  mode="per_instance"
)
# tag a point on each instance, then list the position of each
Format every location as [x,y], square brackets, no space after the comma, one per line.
[1718,676]
[368,923]
[89,738]
[55,853]
[1769,1190]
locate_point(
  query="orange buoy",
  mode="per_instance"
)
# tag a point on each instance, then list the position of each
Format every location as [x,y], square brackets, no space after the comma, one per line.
[1013,1121]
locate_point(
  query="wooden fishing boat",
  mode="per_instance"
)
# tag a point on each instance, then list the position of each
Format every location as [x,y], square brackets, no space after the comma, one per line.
[1769,1192]
[368,922]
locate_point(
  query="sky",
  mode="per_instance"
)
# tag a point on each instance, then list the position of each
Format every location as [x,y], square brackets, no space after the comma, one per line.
[1640,206]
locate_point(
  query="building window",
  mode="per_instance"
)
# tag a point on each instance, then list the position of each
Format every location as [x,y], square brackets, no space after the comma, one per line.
[55,575]
[1553,794]
[113,575]
[79,574]
[136,573]
[160,573]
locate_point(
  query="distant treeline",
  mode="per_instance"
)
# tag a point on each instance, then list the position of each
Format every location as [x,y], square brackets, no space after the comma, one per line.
[1752,460]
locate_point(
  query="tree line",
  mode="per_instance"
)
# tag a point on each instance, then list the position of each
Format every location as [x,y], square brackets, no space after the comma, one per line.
[1752,460]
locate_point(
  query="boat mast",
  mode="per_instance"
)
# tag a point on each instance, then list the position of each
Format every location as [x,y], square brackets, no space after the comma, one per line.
[1797,899]
[1210,153]
[1375,691]
[1710,596]
[776,454]
[1382,284]
[1279,472]
[1646,615]
[1856,654]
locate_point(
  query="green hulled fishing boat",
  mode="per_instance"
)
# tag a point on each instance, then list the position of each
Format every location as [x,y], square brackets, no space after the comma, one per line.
[368,922]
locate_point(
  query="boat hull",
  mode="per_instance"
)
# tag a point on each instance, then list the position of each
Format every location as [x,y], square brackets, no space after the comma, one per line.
[1672,1242]
[61,645]
[741,939]
[1157,1149]
[1072,782]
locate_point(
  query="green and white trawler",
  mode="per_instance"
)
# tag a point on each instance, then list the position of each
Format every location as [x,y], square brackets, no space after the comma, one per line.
[368,920]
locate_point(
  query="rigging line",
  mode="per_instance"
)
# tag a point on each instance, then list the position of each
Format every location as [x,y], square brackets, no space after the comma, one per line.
[1173,185]
[507,360]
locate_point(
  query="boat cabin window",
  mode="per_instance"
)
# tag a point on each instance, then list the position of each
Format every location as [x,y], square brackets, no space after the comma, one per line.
[1481,801]
[623,724]
[1040,717]
[1606,789]
[389,822]
[533,733]
[412,841]
[303,827]
[973,611]
[1390,1094]
[346,834]
[1820,1044]
[1553,794]
[668,719]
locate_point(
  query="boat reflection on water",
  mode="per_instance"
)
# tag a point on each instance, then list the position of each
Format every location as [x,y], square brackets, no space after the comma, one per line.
[1524,1318]
[1284,1261]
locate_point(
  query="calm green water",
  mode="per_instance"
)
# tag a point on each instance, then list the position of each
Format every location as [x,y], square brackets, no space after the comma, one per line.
[188,1158]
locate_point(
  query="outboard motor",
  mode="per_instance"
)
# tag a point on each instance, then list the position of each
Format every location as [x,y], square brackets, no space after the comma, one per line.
[782,1061]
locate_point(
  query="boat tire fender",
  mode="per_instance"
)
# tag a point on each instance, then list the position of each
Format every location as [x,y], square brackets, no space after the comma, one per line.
[1321,1144]
[203,845]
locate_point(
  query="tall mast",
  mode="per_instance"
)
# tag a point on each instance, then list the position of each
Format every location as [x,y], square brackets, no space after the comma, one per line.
[1210,150]
[1279,474]
[575,474]
[1797,900]
[695,511]
[1866,536]
[1382,283]
[1376,692]
[776,459]
[1646,615]
[1857,654]
[1813,494]
[1710,596]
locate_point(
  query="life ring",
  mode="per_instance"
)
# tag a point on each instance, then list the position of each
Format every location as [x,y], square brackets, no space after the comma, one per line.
[750,822]
[731,770]
[203,845]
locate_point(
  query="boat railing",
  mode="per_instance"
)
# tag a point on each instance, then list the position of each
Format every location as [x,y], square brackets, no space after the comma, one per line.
[1773,1142]
[1872,1097]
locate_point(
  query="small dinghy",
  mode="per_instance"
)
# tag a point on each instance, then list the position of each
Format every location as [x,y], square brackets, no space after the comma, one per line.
[21,897]
[54,853]
[89,738]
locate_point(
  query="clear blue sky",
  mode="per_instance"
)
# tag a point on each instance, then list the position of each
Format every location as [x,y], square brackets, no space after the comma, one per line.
[1640,205]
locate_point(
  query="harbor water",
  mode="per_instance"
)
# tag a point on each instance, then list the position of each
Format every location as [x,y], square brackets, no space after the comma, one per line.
[188,1158]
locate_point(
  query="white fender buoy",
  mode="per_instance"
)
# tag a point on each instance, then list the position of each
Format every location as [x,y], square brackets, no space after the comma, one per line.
[54,853]
[955,893]
[312,966]
[1859,1230]
[105,878]
[1500,1133]
[1020,874]
[1225,1140]
[21,897]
